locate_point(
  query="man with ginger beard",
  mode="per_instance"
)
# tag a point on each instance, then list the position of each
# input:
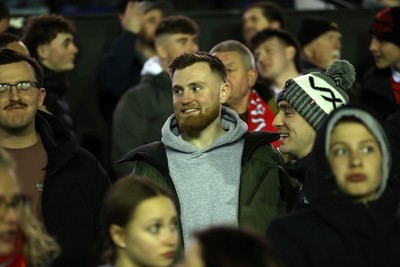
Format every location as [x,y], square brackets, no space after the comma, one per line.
[216,171]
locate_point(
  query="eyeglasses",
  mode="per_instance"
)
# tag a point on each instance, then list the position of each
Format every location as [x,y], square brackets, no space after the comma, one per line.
[17,202]
[24,88]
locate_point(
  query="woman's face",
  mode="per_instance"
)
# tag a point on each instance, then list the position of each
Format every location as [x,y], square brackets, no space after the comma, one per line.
[9,215]
[151,236]
[356,160]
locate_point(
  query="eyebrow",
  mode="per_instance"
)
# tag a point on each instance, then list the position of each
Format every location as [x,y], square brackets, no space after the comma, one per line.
[361,142]
[285,106]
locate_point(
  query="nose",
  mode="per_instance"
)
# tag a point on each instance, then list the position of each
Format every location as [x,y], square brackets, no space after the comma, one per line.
[338,44]
[194,47]
[278,120]
[187,97]
[171,238]
[355,160]
[11,215]
[373,46]
[74,48]
[14,94]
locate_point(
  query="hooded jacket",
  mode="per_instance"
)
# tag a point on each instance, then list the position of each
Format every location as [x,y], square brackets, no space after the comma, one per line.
[334,230]
[264,192]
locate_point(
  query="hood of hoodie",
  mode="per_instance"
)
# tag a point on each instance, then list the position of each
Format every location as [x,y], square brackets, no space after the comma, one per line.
[235,129]
[152,66]
[320,187]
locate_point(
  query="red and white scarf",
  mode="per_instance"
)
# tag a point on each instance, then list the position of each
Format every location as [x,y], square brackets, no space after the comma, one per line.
[259,115]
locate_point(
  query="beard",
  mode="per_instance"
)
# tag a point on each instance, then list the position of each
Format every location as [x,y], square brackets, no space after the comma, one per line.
[193,125]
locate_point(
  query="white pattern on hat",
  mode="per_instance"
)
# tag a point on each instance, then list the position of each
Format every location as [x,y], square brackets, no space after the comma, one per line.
[324,95]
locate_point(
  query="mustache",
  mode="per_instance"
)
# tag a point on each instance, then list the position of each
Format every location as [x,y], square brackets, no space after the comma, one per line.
[15,103]
[336,53]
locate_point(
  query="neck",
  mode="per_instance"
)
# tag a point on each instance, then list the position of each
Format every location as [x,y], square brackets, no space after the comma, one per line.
[207,136]
[290,73]
[240,105]
[124,261]
[21,139]
[164,64]
[145,49]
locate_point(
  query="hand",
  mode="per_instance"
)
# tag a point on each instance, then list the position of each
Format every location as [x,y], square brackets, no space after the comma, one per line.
[132,18]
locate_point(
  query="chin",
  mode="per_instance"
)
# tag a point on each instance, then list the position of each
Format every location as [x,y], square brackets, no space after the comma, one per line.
[6,249]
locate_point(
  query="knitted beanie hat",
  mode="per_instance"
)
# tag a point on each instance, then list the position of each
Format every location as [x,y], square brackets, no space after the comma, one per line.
[316,94]
[386,25]
[312,27]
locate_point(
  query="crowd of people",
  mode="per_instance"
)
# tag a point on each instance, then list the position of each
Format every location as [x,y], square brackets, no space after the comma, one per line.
[263,153]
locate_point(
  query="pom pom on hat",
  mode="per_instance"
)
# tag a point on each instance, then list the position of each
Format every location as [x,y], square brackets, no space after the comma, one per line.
[316,94]
[343,73]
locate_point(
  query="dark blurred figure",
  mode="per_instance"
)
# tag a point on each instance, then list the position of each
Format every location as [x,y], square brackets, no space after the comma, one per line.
[381,84]
[5,19]
[259,16]
[321,44]
[226,246]
[50,40]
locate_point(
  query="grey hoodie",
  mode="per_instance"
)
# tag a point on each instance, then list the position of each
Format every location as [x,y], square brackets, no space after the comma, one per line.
[206,180]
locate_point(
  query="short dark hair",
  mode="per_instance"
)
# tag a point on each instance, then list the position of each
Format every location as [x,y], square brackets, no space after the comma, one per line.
[8,38]
[8,56]
[271,11]
[228,246]
[284,36]
[42,29]
[176,24]
[189,58]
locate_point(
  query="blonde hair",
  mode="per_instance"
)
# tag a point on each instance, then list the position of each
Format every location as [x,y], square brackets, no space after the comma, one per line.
[38,248]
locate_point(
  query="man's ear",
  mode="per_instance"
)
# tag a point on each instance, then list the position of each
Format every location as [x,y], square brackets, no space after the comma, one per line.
[290,52]
[252,76]
[160,49]
[42,96]
[275,25]
[42,51]
[117,235]
[225,92]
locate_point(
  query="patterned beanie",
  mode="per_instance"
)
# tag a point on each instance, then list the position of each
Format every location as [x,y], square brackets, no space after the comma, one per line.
[316,94]
[386,25]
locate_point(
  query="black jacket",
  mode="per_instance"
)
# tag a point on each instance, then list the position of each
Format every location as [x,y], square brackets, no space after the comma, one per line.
[74,187]
[56,85]
[377,93]
[335,231]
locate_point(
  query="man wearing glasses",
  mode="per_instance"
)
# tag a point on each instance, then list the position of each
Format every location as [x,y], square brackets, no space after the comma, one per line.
[65,182]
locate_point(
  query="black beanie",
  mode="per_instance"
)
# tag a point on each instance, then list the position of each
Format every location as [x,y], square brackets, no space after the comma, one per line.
[386,25]
[312,28]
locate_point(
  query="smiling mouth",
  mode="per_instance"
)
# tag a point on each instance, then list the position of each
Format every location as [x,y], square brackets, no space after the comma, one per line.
[283,135]
[189,110]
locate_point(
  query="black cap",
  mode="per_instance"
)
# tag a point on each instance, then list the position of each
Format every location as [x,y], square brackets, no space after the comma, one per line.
[312,28]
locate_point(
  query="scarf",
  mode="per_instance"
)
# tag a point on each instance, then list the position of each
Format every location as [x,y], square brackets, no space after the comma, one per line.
[260,116]
[16,259]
